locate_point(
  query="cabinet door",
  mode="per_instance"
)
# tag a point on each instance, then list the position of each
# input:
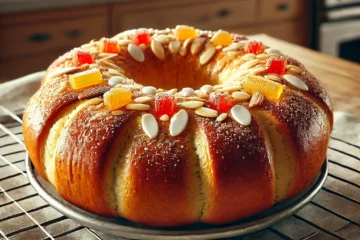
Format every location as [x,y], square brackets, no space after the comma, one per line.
[210,15]
[41,35]
[275,10]
[291,31]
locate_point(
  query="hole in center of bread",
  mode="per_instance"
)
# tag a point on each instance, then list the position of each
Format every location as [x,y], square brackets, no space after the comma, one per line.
[174,72]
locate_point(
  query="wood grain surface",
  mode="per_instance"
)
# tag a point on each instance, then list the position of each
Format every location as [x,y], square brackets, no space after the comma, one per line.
[340,78]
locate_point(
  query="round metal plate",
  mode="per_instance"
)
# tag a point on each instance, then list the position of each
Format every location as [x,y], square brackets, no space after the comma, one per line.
[124,228]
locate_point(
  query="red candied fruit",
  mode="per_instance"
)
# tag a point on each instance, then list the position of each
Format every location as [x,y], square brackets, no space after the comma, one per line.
[142,37]
[81,58]
[276,65]
[254,47]
[165,104]
[109,46]
[220,103]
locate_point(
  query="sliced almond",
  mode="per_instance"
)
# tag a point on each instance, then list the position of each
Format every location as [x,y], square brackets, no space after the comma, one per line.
[137,107]
[178,122]
[172,91]
[207,55]
[262,56]
[143,99]
[115,72]
[117,112]
[273,77]
[248,56]
[136,52]
[234,46]
[250,64]
[295,81]
[192,104]
[105,56]
[256,100]
[231,88]
[124,42]
[174,46]
[207,89]
[242,96]
[294,69]
[257,70]
[206,112]
[197,46]
[158,49]
[150,125]
[221,117]
[164,38]
[149,90]
[56,72]
[93,92]
[273,51]
[164,118]
[241,115]
[184,48]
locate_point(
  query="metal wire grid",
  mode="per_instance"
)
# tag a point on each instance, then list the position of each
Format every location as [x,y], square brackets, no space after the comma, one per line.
[333,214]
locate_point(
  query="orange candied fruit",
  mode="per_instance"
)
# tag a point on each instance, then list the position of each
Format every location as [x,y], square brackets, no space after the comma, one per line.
[183,32]
[85,79]
[221,37]
[267,87]
[109,46]
[117,98]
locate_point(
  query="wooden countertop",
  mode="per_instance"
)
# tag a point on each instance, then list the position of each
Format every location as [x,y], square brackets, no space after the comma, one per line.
[340,78]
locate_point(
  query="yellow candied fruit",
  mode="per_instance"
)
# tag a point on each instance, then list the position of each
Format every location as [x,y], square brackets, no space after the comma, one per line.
[117,98]
[183,32]
[268,88]
[85,78]
[221,37]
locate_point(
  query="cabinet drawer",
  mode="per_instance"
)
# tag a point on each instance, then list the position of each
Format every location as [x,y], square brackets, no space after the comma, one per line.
[48,35]
[270,10]
[296,31]
[201,14]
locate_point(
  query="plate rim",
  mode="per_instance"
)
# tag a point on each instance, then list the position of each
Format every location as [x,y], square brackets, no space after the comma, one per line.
[230,230]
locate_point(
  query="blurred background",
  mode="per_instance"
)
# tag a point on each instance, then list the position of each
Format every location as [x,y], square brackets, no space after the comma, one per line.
[35,32]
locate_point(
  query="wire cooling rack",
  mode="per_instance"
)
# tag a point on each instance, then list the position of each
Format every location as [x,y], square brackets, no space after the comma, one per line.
[333,214]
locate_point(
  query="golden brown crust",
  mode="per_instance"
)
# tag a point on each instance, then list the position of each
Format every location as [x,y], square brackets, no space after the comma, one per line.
[81,163]
[40,110]
[161,187]
[241,170]
[309,129]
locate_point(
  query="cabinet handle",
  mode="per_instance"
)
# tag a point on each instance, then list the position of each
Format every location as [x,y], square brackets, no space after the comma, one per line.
[74,33]
[39,37]
[282,6]
[223,13]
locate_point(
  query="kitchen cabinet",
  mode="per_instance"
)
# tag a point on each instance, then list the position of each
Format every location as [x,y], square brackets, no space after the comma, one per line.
[31,40]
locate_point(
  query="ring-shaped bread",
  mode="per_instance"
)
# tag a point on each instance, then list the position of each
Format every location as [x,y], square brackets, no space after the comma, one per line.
[176,126]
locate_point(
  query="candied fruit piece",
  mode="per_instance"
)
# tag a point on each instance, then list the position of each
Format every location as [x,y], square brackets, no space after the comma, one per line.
[117,98]
[254,47]
[276,65]
[220,102]
[266,87]
[165,104]
[142,37]
[109,46]
[183,32]
[81,58]
[85,79]
[221,38]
